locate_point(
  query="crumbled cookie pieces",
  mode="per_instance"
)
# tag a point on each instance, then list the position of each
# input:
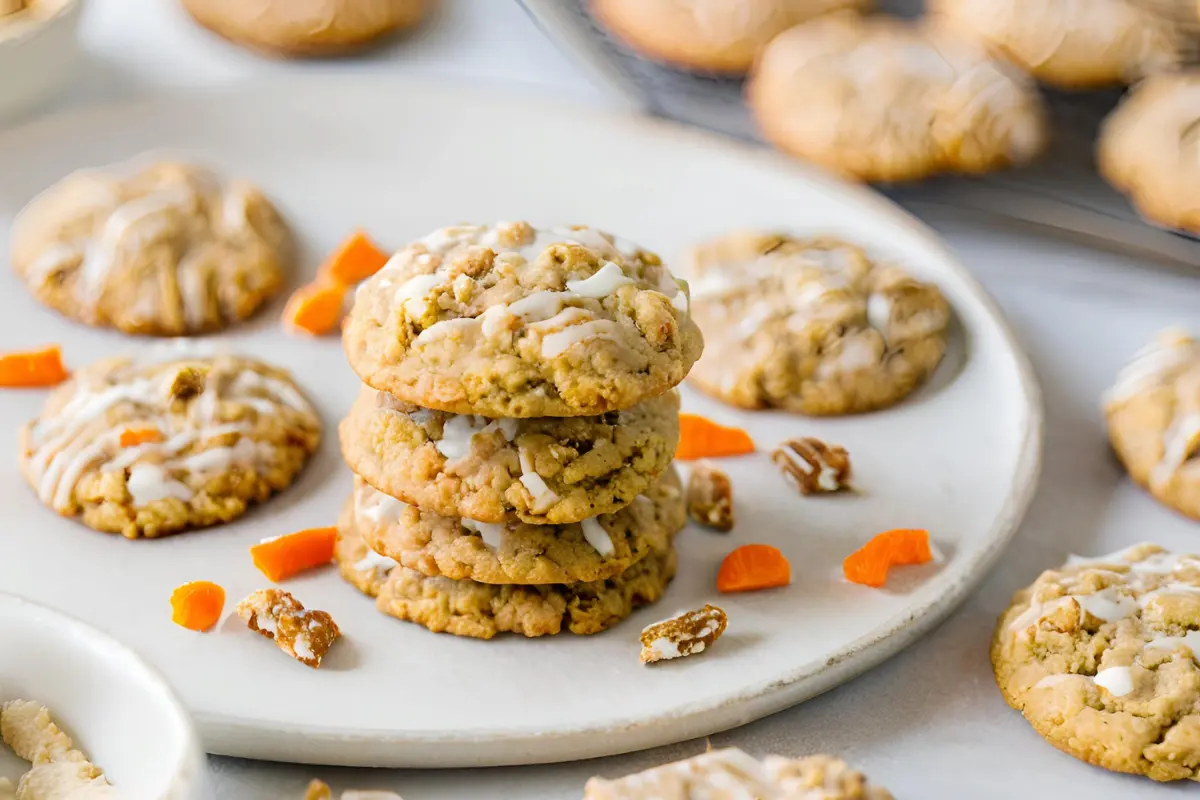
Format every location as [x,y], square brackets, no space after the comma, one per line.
[685,634]
[305,635]
[710,497]
[812,466]
[57,768]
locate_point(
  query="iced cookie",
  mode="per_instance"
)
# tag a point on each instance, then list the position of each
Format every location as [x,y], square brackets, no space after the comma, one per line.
[313,28]
[506,321]
[810,325]
[517,552]
[1071,44]
[731,773]
[147,449]
[707,35]
[1100,657]
[1149,148]
[170,250]
[879,99]
[542,470]
[1153,414]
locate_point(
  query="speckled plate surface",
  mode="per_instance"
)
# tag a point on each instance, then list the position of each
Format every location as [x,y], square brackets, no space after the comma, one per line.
[960,457]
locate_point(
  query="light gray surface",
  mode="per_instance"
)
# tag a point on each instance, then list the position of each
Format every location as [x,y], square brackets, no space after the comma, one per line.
[930,723]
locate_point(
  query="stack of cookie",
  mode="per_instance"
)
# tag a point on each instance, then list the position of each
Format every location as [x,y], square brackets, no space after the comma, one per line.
[513,440]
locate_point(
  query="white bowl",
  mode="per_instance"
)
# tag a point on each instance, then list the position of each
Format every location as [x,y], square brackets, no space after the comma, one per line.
[116,707]
[38,55]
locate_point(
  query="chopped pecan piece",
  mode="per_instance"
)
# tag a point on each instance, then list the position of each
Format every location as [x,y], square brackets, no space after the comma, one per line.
[686,634]
[812,466]
[304,635]
[710,497]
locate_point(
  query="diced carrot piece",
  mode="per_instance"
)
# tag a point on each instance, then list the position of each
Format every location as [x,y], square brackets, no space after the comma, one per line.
[355,259]
[700,437]
[132,437]
[753,566]
[197,606]
[869,564]
[33,368]
[286,556]
[315,308]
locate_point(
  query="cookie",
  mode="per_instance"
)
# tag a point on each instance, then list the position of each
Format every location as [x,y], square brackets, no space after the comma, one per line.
[880,99]
[167,251]
[810,325]
[707,35]
[1100,657]
[517,552]
[1071,44]
[732,773]
[541,470]
[319,28]
[1147,149]
[506,321]
[148,449]
[1153,414]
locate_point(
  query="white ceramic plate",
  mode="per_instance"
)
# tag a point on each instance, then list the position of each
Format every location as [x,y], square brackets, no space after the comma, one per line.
[400,158]
[118,710]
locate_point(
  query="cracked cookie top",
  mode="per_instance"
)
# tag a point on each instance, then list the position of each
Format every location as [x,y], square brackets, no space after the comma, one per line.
[509,321]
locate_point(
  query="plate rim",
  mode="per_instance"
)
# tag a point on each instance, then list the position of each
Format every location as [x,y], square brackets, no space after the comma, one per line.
[511,745]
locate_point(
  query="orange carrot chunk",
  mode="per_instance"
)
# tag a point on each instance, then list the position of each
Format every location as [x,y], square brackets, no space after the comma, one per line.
[315,308]
[700,437]
[751,567]
[355,259]
[33,368]
[132,437]
[197,605]
[869,564]
[286,556]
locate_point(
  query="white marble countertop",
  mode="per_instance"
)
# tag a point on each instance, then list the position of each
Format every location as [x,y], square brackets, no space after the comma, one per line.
[927,724]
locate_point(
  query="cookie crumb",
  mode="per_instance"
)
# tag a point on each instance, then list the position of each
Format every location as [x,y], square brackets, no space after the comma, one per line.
[304,635]
[685,634]
[710,497]
[319,790]
[57,768]
[813,467]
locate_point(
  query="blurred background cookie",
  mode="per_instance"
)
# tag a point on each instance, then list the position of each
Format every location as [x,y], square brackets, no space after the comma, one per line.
[722,36]
[306,27]
[1148,149]
[880,99]
[1073,44]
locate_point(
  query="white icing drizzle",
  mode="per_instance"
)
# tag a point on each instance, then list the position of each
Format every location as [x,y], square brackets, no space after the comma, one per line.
[555,344]
[1107,605]
[1054,680]
[1154,364]
[1190,640]
[382,565]
[491,534]
[597,537]
[445,328]
[879,311]
[148,483]
[856,353]
[1177,445]
[413,294]
[377,506]
[1117,680]
[604,282]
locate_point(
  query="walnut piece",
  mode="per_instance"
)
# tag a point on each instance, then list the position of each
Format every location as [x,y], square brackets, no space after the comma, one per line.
[683,635]
[812,466]
[710,497]
[304,635]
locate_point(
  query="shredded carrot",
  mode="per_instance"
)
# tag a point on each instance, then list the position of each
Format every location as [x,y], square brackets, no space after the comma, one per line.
[33,368]
[132,437]
[869,564]
[315,308]
[355,259]
[753,566]
[286,556]
[700,437]
[197,605]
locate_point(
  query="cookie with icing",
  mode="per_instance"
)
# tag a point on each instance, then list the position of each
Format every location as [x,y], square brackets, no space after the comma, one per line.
[517,552]
[508,321]
[1073,44]
[880,99]
[1100,655]
[707,35]
[810,325]
[540,470]
[1153,415]
[311,28]
[481,610]
[1149,149]
[149,449]
[171,250]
